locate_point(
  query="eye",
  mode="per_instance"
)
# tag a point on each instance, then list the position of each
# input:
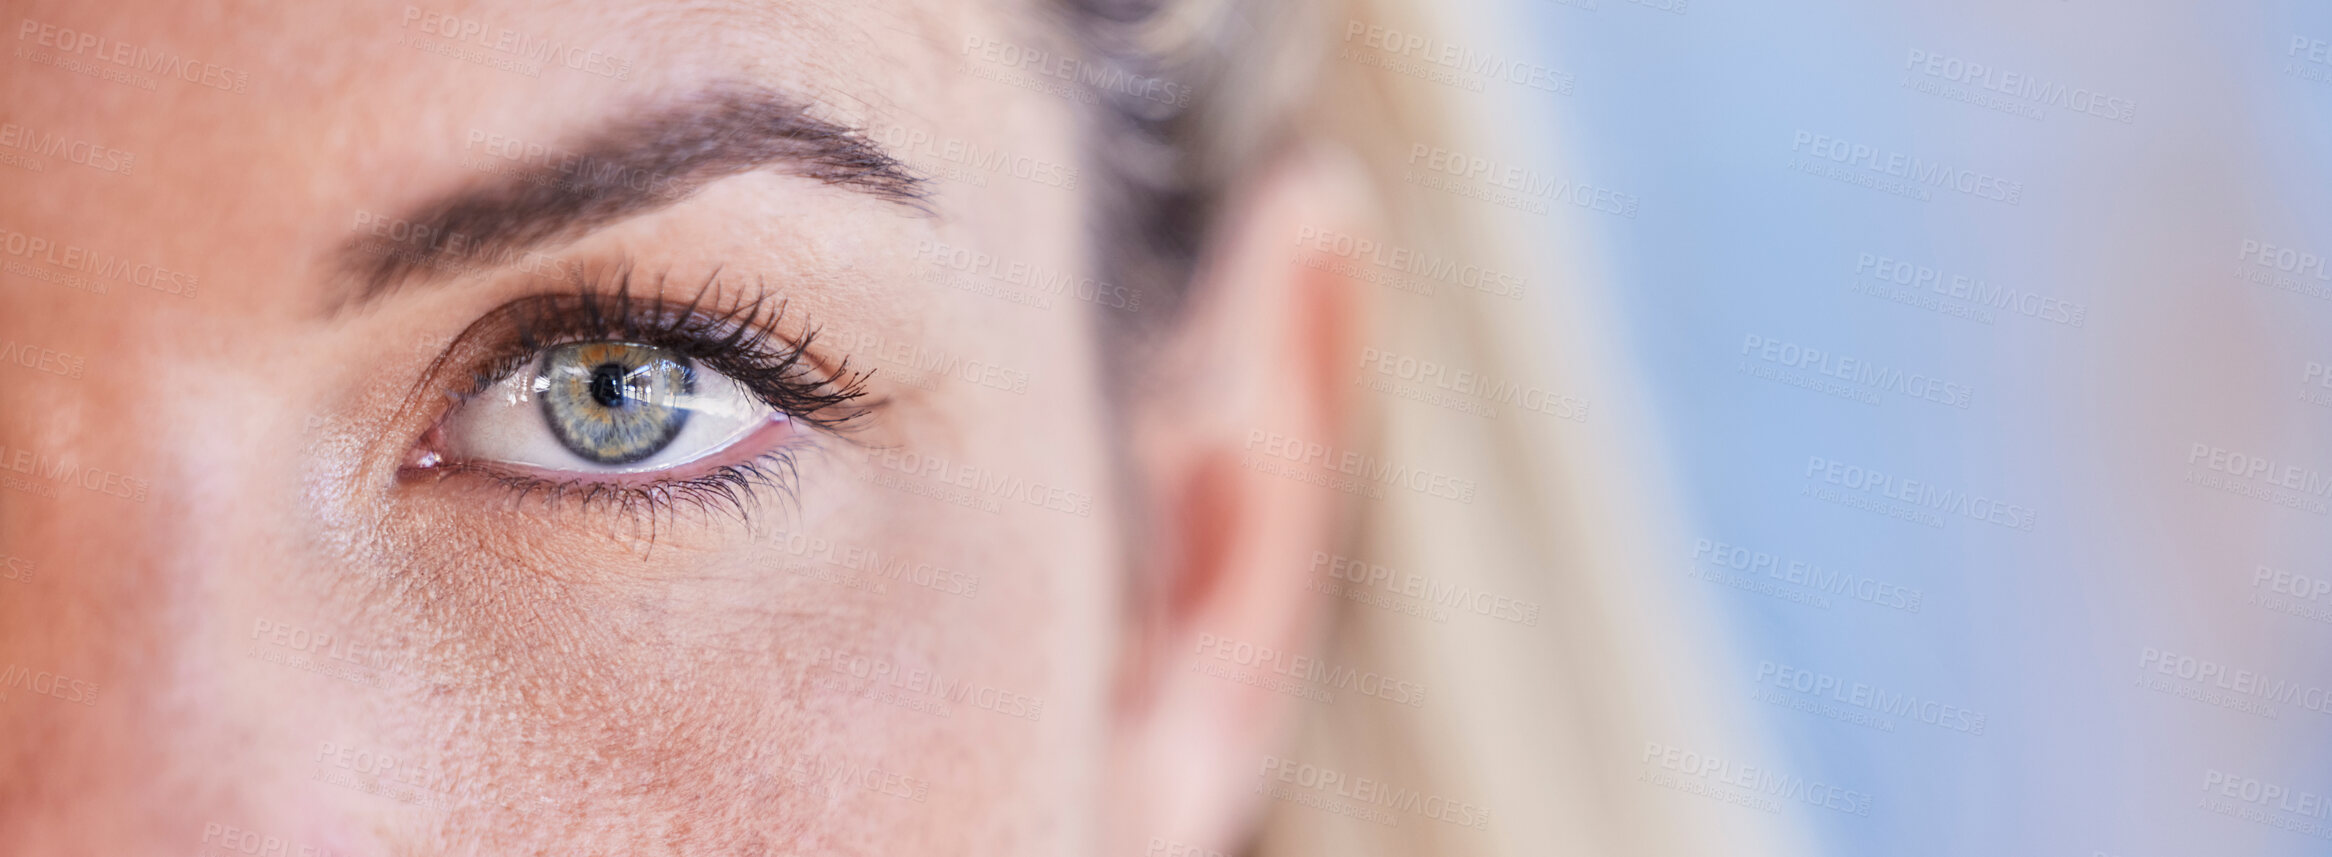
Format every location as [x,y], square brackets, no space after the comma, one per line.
[604,407]
[602,399]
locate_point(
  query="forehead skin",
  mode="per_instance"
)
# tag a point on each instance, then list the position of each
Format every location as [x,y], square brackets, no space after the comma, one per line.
[539,678]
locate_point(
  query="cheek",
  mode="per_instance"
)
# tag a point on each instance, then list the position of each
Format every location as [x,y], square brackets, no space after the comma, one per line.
[984,675]
[546,695]
[894,667]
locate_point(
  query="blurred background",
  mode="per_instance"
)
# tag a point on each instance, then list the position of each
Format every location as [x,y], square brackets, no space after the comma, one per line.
[1983,348]
[1974,359]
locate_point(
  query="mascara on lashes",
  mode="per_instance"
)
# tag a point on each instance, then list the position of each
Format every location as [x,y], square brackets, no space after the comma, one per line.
[740,342]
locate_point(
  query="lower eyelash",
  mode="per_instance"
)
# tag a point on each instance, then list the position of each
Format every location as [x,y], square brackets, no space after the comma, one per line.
[741,343]
[736,491]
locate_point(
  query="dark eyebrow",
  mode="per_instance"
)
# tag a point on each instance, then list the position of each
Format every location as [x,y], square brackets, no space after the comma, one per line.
[638,164]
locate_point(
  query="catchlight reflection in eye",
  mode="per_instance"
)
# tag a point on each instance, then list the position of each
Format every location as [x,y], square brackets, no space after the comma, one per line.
[604,407]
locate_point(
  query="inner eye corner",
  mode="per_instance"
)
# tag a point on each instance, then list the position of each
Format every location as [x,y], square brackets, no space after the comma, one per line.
[700,391]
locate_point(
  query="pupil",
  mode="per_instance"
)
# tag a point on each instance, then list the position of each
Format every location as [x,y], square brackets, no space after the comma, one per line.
[607,385]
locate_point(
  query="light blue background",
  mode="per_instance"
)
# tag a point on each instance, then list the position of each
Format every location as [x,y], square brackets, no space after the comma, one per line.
[2139,222]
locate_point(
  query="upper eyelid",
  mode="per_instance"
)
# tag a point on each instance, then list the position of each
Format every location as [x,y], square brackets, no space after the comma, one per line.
[749,327]
[730,333]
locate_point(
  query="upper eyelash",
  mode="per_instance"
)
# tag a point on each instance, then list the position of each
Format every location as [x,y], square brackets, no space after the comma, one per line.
[742,342]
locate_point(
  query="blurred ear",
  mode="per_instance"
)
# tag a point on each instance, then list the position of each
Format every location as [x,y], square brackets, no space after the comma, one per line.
[1260,358]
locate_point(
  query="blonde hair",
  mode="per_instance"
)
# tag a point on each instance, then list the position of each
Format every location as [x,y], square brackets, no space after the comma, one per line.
[1545,723]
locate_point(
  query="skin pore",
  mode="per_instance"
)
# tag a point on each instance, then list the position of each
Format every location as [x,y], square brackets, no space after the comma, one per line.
[922,634]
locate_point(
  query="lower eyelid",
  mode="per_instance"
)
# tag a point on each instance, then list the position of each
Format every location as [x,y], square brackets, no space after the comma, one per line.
[773,434]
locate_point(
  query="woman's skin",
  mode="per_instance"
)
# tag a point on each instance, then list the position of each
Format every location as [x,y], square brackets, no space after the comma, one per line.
[291,635]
